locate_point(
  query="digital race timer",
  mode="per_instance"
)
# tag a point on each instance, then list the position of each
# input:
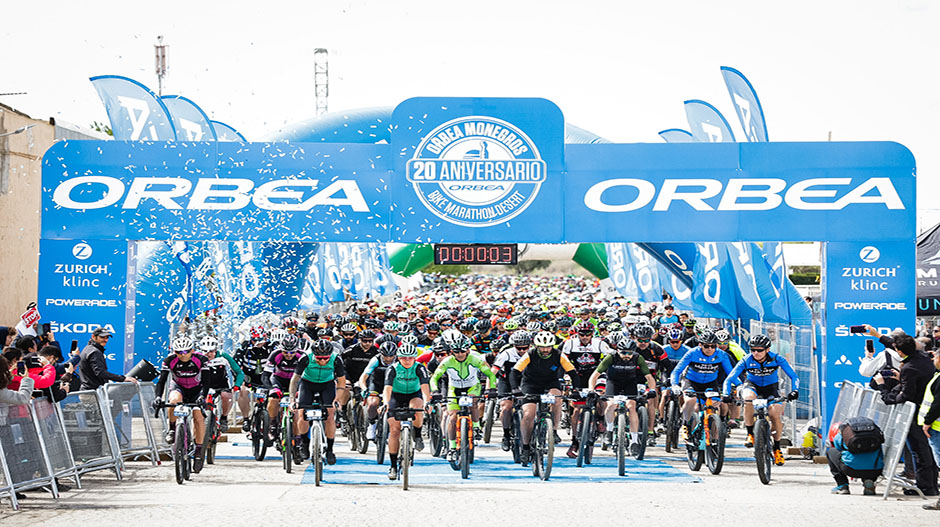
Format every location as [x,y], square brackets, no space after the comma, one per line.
[476,254]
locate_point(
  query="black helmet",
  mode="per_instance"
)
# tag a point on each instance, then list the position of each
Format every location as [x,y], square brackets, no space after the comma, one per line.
[323,348]
[521,338]
[367,334]
[439,345]
[759,341]
[433,326]
[707,337]
[483,326]
[389,349]
[642,331]
[290,343]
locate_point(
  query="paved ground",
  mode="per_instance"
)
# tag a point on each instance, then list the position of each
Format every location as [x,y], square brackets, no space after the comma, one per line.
[241,491]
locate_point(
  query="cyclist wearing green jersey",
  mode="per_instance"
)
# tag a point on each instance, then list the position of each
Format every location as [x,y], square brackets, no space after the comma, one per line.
[406,384]
[462,369]
[317,376]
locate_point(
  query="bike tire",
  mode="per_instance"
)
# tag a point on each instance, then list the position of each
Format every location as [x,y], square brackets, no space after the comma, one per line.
[672,431]
[763,450]
[405,458]
[287,442]
[545,471]
[516,437]
[584,429]
[621,439]
[381,437]
[434,435]
[182,430]
[642,432]
[179,455]
[489,416]
[363,427]
[464,448]
[259,430]
[316,438]
[694,456]
[208,441]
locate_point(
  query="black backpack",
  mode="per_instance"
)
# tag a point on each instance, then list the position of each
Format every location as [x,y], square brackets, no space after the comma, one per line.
[861,435]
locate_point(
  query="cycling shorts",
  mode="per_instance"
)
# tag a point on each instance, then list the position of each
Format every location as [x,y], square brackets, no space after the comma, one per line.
[280,383]
[701,387]
[763,392]
[614,388]
[321,392]
[529,388]
[402,400]
[503,388]
[476,390]
[189,394]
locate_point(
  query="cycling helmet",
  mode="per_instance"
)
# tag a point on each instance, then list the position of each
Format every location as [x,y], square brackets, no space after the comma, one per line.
[349,327]
[290,323]
[626,344]
[372,323]
[392,325]
[208,343]
[707,337]
[433,326]
[291,343]
[642,331]
[549,325]
[277,335]
[461,343]
[325,333]
[258,333]
[409,339]
[521,338]
[533,327]
[614,338]
[466,325]
[759,341]
[483,326]
[674,334]
[511,325]
[407,350]
[584,327]
[544,338]
[439,345]
[367,334]
[629,319]
[389,349]
[306,345]
[183,344]
[323,348]
[700,328]
[722,335]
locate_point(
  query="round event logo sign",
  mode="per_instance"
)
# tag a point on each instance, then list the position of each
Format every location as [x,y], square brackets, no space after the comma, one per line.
[476,171]
[869,254]
[81,250]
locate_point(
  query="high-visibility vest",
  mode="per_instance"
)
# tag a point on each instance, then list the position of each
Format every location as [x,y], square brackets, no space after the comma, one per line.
[928,400]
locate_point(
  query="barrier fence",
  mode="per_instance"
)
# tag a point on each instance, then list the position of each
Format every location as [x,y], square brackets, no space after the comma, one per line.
[87,431]
[894,420]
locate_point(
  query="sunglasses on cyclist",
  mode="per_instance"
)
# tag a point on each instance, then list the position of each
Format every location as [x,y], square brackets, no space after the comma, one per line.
[586,333]
[522,347]
[442,354]
[366,340]
[709,345]
[642,341]
[758,350]
[675,341]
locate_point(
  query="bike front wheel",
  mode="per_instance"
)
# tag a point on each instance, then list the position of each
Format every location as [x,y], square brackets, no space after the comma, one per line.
[405,458]
[672,429]
[381,436]
[259,429]
[316,438]
[621,439]
[210,437]
[715,447]
[180,453]
[464,446]
[489,415]
[584,439]
[695,456]
[763,450]
[642,432]
[546,449]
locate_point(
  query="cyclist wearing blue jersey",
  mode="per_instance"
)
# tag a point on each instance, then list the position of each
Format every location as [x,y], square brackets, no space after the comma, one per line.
[698,370]
[674,347]
[762,380]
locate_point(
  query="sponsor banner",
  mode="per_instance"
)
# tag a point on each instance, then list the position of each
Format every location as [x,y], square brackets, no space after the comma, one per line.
[928,267]
[135,112]
[645,273]
[680,292]
[284,267]
[621,276]
[163,295]
[82,287]
[746,104]
[477,170]
[706,123]
[770,283]
[225,132]
[675,135]
[191,123]
[748,298]
[865,283]
[678,258]
[714,280]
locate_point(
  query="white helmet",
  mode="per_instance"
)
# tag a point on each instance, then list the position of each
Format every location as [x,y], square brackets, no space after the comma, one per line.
[544,338]
[277,335]
[208,343]
[182,344]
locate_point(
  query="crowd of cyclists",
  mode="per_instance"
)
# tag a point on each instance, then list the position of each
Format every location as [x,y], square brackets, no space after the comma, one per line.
[507,339]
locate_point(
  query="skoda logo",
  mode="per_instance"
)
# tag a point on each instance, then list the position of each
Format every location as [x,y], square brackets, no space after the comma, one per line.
[81,250]
[476,171]
[869,254]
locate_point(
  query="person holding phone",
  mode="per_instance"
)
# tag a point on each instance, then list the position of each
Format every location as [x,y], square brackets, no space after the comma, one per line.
[886,363]
[13,397]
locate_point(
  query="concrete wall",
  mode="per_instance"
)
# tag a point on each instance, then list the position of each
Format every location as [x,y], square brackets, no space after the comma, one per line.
[20,191]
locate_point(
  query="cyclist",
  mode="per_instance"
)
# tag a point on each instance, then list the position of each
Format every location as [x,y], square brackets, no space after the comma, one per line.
[438,352]
[318,377]
[182,376]
[536,374]
[762,381]
[625,370]
[699,369]
[584,352]
[462,370]
[251,356]
[735,354]
[223,374]
[669,316]
[519,343]
[347,335]
[277,375]
[483,337]
[355,358]
[657,360]
[406,385]
[372,382]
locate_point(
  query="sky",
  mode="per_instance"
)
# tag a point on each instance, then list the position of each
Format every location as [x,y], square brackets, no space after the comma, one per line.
[860,70]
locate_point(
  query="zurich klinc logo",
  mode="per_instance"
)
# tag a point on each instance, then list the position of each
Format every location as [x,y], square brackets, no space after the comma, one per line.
[869,254]
[82,251]
[476,171]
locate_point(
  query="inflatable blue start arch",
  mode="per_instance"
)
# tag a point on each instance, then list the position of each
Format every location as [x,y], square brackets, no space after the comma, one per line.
[479,170]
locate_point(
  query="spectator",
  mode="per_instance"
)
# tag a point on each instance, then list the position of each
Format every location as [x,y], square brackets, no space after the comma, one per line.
[93,368]
[928,417]
[6,336]
[886,359]
[916,372]
[26,344]
[8,396]
[59,388]
[844,465]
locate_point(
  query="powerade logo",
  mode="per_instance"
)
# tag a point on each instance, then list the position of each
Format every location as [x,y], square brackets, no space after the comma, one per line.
[476,171]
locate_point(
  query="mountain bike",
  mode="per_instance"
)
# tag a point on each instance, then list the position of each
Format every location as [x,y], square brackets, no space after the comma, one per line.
[490,415]
[356,422]
[406,445]
[637,438]
[516,430]
[260,423]
[764,437]
[464,427]
[315,415]
[184,446]
[707,433]
[543,436]
[435,434]
[381,436]
[586,431]
[213,428]
[285,439]
[672,417]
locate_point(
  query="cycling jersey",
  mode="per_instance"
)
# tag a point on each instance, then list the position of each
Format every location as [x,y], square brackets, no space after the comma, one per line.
[406,380]
[279,369]
[221,370]
[699,368]
[585,358]
[735,351]
[762,373]
[506,359]
[534,370]
[185,374]
[463,374]
[482,343]
[654,354]
[252,359]
[624,371]
[675,354]
[312,371]
[355,359]
[375,370]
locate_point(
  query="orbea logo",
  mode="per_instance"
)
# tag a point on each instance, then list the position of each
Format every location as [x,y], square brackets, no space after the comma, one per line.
[869,254]
[476,171]
[82,251]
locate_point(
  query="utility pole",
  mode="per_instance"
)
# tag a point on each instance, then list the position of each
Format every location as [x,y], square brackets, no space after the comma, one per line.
[160,62]
[321,79]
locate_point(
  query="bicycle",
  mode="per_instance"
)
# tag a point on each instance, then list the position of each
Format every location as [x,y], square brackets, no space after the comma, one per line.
[707,433]
[637,437]
[763,437]
[184,447]
[314,414]
[285,436]
[213,431]
[381,436]
[490,415]
[435,434]
[464,428]
[356,422]
[260,423]
[406,445]
[672,417]
[542,441]
[586,431]
[516,430]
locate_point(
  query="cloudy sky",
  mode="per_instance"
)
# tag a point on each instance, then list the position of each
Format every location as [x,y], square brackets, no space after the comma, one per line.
[862,70]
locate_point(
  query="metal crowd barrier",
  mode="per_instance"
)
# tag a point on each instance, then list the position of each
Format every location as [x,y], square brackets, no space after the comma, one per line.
[158,424]
[26,462]
[91,441]
[894,420]
[130,420]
